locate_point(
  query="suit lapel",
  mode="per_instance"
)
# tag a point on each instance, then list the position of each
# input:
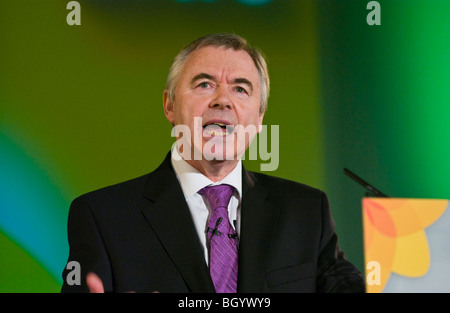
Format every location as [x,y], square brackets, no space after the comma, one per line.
[169,217]
[257,221]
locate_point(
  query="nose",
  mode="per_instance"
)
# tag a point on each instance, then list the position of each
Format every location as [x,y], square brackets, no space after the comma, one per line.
[221,99]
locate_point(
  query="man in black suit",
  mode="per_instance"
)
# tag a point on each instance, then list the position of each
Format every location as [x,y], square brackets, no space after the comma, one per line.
[155,232]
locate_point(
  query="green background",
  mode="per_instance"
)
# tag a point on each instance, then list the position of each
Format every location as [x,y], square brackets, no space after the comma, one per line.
[81,106]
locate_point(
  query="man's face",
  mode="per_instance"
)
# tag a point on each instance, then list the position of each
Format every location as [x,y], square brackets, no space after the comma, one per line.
[218,89]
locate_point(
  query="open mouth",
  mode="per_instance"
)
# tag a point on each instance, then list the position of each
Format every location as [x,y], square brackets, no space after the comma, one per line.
[217,129]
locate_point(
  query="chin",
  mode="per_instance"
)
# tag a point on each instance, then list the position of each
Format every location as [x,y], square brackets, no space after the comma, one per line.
[218,154]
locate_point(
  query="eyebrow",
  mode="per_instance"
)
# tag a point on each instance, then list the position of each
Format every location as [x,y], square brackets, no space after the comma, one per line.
[202,76]
[210,77]
[244,81]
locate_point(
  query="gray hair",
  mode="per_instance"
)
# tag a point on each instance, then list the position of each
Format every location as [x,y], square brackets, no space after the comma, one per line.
[230,41]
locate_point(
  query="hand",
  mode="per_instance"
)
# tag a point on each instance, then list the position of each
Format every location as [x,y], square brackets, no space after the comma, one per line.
[94,283]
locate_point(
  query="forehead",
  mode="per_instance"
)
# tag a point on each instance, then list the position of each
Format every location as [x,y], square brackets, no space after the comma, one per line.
[219,61]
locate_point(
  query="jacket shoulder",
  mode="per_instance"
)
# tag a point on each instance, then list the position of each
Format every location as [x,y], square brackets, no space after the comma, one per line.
[129,193]
[129,187]
[282,185]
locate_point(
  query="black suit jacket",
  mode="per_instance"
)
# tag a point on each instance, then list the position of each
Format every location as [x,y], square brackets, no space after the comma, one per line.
[139,236]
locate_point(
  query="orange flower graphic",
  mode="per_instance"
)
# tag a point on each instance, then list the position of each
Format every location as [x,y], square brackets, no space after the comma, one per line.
[394,235]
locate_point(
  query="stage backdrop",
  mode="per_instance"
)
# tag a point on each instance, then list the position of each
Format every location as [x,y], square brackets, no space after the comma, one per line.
[81,106]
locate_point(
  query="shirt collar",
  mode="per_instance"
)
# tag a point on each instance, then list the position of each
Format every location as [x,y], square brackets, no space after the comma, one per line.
[191,180]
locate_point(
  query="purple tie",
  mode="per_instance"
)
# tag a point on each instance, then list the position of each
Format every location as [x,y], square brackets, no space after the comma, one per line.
[223,255]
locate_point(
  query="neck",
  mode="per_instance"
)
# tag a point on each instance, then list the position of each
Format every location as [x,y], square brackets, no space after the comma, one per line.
[214,170]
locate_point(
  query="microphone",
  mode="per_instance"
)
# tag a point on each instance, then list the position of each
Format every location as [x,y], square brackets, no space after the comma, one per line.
[215,230]
[365,184]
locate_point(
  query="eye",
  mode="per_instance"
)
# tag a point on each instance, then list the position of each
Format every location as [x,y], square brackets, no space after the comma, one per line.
[240,89]
[203,85]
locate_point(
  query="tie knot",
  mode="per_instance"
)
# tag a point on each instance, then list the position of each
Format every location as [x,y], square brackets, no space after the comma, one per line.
[218,196]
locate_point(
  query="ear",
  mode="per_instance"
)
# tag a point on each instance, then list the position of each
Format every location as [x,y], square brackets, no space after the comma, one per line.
[168,106]
[260,121]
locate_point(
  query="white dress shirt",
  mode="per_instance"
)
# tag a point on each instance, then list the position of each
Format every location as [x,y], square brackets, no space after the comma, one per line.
[191,181]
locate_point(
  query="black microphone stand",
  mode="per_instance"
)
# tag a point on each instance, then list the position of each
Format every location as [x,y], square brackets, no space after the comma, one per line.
[372,190]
